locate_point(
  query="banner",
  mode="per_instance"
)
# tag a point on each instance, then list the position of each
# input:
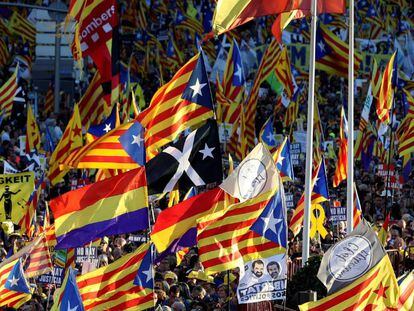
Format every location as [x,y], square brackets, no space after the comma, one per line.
[15,190]
[263,279]
[54,277]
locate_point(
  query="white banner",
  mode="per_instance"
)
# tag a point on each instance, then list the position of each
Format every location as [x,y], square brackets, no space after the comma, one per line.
[263,279]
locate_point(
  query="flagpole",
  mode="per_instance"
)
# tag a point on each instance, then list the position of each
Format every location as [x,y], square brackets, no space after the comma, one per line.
[309,136]
[350,172]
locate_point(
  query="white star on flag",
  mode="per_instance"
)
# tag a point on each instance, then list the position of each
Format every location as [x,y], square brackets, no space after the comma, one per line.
[13,281]
[238,72]
[107,128]
[321,46]
[207,151]
[148,274]
[72,309]
[280,159]
[136,139]
[270,223]
[197,88]
[271,137]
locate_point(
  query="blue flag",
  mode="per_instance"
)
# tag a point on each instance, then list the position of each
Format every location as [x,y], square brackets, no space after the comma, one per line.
[71,299]
[106,126]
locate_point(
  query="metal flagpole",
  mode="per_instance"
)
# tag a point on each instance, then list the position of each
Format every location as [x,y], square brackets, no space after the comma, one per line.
[309,136]
[350,173]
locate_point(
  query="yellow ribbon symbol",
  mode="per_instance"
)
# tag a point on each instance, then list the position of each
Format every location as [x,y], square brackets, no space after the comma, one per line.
[317,219]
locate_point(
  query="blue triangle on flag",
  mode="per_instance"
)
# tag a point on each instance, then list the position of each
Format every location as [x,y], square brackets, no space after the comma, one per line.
[198,88]
[16,280]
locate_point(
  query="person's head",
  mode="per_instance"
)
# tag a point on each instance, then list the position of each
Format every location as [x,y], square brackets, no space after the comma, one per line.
[170,277]
[273,269]
[198,293]
[178,306]
[258,268]
[174,292]
[102,260]
[164,265]
[222,291]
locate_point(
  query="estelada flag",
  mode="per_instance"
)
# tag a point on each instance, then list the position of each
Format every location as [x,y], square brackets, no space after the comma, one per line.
[358,274]
[15,190]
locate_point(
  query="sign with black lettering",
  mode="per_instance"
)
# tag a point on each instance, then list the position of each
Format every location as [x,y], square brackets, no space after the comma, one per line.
[54,277]
[263,279]
[295,151]
[15,191]
[338,213]
[86,253]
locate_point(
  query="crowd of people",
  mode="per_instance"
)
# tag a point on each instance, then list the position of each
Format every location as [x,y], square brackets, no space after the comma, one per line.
[179,281]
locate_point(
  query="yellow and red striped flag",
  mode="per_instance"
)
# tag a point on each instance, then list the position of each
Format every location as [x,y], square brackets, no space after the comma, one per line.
[183,102]
[49,106]
[106,152]
[4,53]
[32,132]
[112,287]
[375,80]
[267,65]
[10,298]
[21,27]
[233,13]
[386,92]
[291,114]
[92,105]
[71,140]
[283,72]
[7,93]
[406,284]
[332,53]
[238,143]
[36,255]
[342,162]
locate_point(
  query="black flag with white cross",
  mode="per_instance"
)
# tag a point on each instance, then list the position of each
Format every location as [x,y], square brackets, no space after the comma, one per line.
[194,160]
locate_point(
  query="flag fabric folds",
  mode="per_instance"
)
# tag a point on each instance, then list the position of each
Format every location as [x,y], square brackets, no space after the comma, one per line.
[7,93]
[113,206]
[69,294]
[406,298]
[232,13]
[195,160]
[341,169]
[360,279]
[386,91]
[175,222]
[319,194]
[70,141]
[284,161]
[183,102]
[32,132]
[92,105]
[11,298]
[112,287]
[16,280]
[111,151]
[36,255]
[225,239]
[267,65]
[332,53]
